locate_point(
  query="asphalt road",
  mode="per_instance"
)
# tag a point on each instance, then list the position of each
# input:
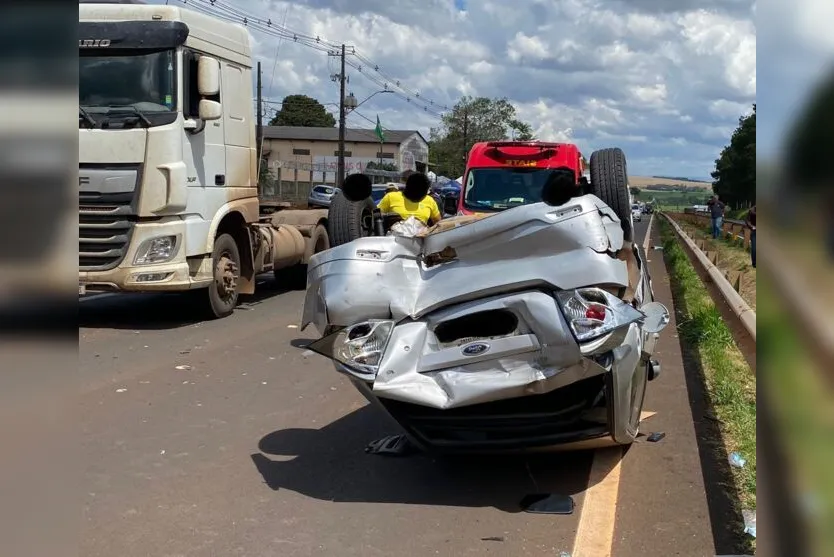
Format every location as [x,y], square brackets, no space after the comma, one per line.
[223,438]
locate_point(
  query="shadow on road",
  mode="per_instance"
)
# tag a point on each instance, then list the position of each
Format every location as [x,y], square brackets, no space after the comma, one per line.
[330,464]
[160,311]
[724,505]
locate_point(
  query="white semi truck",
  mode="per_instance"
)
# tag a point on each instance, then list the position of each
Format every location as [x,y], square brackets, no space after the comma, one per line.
[168,170]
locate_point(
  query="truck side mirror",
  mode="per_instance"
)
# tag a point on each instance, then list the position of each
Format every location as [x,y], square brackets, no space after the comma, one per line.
[210,110]
[208,76]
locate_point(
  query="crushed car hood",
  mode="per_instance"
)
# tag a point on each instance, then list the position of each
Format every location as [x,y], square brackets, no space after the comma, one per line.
[458,260]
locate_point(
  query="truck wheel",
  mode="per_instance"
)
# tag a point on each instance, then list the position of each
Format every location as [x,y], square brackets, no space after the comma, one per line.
[223,292]
[348,220]
[609,182]
[295,277]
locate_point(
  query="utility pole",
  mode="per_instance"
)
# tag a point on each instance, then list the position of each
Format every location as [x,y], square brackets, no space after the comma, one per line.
[465,134]
[259,128]
[340,170]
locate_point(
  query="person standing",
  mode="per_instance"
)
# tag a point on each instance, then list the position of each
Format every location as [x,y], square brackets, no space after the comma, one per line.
[716,211]
[750,223]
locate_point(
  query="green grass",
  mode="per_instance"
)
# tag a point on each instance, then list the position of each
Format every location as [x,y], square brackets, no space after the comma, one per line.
[803,414]
[729,381]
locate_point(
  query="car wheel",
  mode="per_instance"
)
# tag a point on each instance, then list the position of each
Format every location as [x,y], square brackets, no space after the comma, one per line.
[609,182]
[349,220]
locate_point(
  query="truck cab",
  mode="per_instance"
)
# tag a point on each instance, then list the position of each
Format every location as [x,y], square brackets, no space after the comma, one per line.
[504,174]
[164,154]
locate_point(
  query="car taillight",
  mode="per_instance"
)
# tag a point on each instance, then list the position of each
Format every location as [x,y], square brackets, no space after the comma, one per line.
[593,312]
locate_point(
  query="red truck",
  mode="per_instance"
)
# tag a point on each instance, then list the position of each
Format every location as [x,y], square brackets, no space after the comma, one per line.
[504,174]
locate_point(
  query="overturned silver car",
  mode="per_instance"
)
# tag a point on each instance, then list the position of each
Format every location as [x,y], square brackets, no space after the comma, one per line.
[523,329]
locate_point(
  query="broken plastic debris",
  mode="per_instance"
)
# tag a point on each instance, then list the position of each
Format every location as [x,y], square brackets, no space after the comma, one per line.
[658,247]
[263,382]
[547,503]
[737,460]
[656,436]
[749,522]
[122,390]
[184,367]
[307,353]
[162,451]
[393,445]
[292,326]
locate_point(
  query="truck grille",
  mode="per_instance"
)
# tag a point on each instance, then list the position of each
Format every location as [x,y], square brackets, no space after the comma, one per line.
[106,216]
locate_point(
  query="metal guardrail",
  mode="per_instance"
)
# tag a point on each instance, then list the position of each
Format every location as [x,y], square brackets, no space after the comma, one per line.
[734,228]
[742,310]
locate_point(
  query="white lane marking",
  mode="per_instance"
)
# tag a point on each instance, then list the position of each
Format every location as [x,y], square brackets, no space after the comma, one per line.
[595,534]
[648,237]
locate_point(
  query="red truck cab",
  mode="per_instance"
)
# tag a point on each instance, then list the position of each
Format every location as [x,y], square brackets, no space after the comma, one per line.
[504,174]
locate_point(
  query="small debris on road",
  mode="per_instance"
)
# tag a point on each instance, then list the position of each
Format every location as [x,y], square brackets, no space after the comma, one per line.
[162,451]
[185,352]
[292,326]
[263,382]
[737,460]
[749,522]
[493,539]
[393,445]
[333,388]
[656,436]
[184,367]
[122,390]
[307,353]
[547,503]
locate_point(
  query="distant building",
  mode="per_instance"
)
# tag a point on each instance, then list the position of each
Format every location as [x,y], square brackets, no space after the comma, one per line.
[301,157]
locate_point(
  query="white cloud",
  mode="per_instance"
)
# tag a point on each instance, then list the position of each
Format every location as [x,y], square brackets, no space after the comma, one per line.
[654,77]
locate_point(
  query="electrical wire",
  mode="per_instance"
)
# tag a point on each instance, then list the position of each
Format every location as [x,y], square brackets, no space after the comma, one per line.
[226,11]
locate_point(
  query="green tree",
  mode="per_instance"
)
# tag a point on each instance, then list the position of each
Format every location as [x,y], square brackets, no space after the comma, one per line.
[301,110]
[734,177]
[472,120]
[635,192]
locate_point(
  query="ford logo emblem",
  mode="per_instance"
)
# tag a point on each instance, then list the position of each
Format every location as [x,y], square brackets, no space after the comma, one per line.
[475,348]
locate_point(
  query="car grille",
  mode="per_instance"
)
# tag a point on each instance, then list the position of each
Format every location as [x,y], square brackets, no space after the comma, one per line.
[567,414]
[106,220]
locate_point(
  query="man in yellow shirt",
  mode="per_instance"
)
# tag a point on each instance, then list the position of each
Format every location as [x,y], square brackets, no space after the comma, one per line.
[413,201]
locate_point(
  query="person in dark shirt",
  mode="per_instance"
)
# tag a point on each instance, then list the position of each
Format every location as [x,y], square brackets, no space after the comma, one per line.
[750,222]
[716,211]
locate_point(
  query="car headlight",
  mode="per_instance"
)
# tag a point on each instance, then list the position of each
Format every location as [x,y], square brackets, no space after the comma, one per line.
[157,250]
[359,347]
[593,312]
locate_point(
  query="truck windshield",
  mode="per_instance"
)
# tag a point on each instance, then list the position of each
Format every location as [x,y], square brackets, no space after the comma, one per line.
[122,86]
[496,189]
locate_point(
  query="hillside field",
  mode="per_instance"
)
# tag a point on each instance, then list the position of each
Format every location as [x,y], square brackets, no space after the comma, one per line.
[643,181]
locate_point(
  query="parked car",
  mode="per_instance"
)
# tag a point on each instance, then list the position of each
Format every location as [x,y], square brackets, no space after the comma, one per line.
[378,192]
[636,212]
[321,195]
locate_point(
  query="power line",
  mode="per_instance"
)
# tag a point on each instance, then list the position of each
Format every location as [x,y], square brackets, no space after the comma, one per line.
[230,13]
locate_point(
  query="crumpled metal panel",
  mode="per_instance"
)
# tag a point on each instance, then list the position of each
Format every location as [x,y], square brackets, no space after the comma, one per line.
[539,357]
[535,245]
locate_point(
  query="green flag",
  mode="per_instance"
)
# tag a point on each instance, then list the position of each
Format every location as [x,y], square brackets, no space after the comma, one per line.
[378,130]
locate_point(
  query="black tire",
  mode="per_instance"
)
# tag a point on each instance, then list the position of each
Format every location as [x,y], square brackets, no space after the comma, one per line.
[221,304]
[345,219]
[295,277]
[609,182]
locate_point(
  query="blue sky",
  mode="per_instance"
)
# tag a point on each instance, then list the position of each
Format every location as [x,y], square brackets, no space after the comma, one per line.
[664,80]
